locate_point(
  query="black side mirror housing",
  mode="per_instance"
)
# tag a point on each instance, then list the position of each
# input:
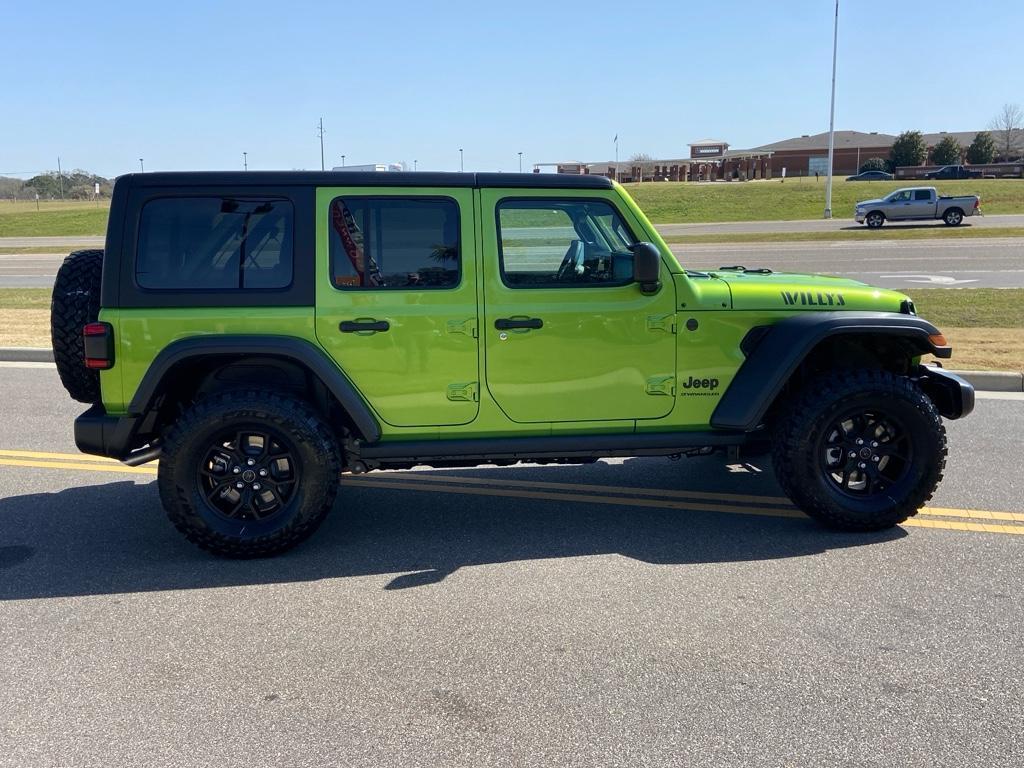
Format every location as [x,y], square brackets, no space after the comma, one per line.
[646,267]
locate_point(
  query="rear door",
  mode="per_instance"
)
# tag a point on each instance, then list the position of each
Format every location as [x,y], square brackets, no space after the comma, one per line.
[922,204]
[396,302]
[569,336]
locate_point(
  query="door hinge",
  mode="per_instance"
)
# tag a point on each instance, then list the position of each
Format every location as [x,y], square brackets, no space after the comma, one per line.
[467,327]
[463,392]
[662,385]
[665,323]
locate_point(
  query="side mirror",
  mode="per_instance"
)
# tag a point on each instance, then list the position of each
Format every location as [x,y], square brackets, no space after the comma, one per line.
[646,267]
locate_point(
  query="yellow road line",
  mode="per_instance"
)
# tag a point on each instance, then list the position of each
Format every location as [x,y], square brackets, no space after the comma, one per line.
[577,497]
[119,468]
[50,455]
[627,490]
[771,506]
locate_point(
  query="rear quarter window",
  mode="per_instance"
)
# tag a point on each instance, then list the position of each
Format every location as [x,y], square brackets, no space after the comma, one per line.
[215,243]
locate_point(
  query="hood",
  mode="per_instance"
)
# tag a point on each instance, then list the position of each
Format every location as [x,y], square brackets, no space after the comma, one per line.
[794,291]
[873,201]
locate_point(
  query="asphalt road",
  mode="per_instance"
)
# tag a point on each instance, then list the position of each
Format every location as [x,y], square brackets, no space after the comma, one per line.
[528,616]
[963,262]
[843,221]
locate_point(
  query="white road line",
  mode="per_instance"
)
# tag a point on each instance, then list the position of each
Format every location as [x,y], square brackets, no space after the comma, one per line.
[23,364]
[999,395]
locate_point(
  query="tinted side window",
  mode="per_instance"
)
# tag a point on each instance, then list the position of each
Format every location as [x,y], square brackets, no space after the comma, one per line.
[563,243]
[218,243]
[389,243]
[922,194]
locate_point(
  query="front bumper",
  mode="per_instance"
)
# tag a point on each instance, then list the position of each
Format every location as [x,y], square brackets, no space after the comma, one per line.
[952,396]
[858,216]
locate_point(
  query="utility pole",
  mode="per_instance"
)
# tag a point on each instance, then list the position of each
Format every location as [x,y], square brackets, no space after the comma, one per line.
[832,118]
[142,168]
[461,165]
[60,178]
[245,161]
[520,162]
[320,133]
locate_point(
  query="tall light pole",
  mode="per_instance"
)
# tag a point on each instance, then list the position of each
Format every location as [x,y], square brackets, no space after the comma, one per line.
[520,162]
[142,167]
[60,178]
[342,161]
[245,161]
[832,118]
[320,133]
[414,164]
[462,167]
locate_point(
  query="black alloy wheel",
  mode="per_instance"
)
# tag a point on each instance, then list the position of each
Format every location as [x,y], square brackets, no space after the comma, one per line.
[249,474]
[864,453]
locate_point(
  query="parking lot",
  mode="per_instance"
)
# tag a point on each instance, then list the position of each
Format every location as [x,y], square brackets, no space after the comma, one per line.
[630,612]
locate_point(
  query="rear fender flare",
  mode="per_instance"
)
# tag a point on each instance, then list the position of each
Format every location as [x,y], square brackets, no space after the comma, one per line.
[301,352]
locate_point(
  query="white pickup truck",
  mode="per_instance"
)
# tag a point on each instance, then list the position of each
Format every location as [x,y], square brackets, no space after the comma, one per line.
[915,203]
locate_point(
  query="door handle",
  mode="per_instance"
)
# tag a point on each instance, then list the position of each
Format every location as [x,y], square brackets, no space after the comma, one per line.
[362,325]
[510,324]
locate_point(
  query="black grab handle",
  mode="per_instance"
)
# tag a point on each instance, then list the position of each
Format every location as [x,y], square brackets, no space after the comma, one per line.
[355,326]
[508,324]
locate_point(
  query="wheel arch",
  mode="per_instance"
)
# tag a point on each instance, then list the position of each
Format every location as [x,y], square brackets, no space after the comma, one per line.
[781,355]
[199,365]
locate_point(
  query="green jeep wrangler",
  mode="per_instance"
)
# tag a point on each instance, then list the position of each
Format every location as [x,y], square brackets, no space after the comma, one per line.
[260,333]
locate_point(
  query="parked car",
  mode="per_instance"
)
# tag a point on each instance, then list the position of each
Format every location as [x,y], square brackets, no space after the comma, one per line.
[871,176]
[954,172]
[261,332]
[916,203]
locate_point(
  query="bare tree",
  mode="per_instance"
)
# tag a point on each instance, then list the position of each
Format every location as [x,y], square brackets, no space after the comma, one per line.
[1008,130]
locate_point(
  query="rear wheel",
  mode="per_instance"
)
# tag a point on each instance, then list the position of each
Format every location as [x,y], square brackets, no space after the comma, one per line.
[874,220]
[953,217]
[249,473]
[860,450]
[75,303]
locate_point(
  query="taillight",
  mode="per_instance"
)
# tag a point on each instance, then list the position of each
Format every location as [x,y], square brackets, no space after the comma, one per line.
[99,345]
[977,203]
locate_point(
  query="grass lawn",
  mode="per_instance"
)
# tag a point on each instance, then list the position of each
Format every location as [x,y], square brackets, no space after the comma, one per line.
[849,235]
[73,217]
[798,198]
[984,325]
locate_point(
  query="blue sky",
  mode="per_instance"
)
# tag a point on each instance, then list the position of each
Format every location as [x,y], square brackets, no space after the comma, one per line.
[191,85]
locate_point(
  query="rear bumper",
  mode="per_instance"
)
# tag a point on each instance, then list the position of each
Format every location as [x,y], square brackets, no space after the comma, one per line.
[101,434]
[953,396]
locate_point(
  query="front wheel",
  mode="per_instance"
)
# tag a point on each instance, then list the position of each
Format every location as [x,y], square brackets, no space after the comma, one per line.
[859,450]
[248,473]
[875,220]
[953,217]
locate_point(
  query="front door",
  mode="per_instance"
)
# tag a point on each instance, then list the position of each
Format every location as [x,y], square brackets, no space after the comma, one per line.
[569,336]
[396,299]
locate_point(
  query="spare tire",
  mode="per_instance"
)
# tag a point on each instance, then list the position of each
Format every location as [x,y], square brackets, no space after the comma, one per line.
[76,302]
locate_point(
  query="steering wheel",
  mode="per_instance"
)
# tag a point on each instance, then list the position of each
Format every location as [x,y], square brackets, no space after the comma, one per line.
[572,262]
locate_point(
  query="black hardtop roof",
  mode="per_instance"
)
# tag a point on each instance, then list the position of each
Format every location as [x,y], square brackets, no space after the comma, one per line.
[366,179]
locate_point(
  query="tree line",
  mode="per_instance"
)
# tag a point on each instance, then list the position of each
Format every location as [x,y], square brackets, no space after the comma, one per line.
[1004,142]
[69,185]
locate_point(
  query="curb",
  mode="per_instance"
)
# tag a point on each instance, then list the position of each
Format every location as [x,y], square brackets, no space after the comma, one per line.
[985,381]
[993,381]
[26,354]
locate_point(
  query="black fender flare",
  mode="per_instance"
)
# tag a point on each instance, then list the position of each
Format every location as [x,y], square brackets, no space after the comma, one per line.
[299,351]
[774,352]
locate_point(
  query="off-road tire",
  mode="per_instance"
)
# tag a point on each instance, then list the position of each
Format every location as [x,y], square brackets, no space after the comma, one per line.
[75,303]
[800,439]
[189,442]
[874,220]
[954,217]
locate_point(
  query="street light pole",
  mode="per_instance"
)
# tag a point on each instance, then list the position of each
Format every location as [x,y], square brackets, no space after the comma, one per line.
[320,133]
[245,161]
[342,161]
[462,167]
[142,167]
[520,162]
[414,164]
[832,118]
